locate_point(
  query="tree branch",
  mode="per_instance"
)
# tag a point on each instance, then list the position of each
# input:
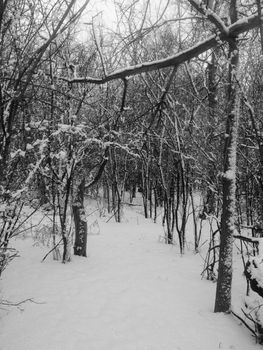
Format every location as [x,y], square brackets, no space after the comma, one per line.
[244,322]
[211,15]
[51,250]
[239,27]
[247,239]
[100,171]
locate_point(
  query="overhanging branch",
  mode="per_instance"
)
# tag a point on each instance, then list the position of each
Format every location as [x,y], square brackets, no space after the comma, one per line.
[233,30]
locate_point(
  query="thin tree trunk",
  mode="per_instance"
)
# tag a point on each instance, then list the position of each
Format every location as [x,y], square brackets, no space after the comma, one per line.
[155,203]
[224,282]
[196,240]
[81,231]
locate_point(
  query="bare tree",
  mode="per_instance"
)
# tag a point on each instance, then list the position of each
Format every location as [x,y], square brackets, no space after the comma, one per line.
[224,33]
[28,31]
[223,293]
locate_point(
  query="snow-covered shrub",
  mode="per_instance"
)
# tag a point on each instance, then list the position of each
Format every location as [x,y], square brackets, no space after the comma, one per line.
[253,303]
[253,313]
[254,273]
[6,255]
[94,228]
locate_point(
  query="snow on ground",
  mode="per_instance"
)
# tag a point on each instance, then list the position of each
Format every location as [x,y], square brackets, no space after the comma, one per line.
[131,293]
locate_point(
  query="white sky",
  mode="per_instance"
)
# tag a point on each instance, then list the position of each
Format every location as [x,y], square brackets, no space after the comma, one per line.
[103,12]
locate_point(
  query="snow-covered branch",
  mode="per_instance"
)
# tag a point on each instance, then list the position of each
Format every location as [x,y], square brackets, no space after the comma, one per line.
[211,15]
[239,27]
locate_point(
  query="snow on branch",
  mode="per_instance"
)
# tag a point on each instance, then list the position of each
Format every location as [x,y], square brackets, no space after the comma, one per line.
[258,241]
[211,15]
[241,26]
[248,239]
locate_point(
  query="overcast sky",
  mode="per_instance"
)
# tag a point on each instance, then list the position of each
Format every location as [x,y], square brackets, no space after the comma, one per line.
[103,12]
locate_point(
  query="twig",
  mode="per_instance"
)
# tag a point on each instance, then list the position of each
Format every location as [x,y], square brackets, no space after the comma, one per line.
[94,211]
[9,303]
[211,15]
[203,243]
[214,247]
[99,50]
[244,322]
[249,316]
[52,250]
[112,215]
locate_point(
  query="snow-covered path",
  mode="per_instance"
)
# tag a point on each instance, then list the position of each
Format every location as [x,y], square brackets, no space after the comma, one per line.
[131,293]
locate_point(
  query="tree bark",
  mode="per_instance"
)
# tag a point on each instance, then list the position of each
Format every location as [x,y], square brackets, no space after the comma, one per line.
[224,282]
[81,231]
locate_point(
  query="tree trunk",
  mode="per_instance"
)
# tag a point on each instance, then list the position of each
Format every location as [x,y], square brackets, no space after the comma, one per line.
[145,189]
[224,282]
[196,240]
[80,245]
[62,207]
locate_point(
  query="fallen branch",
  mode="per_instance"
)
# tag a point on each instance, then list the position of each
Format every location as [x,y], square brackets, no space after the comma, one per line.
[9,303]
[18,304]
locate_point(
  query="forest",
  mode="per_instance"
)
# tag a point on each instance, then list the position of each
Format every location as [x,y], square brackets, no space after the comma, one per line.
[158,108]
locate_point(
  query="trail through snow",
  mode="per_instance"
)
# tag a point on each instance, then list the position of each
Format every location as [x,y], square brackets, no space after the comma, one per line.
[131,293]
